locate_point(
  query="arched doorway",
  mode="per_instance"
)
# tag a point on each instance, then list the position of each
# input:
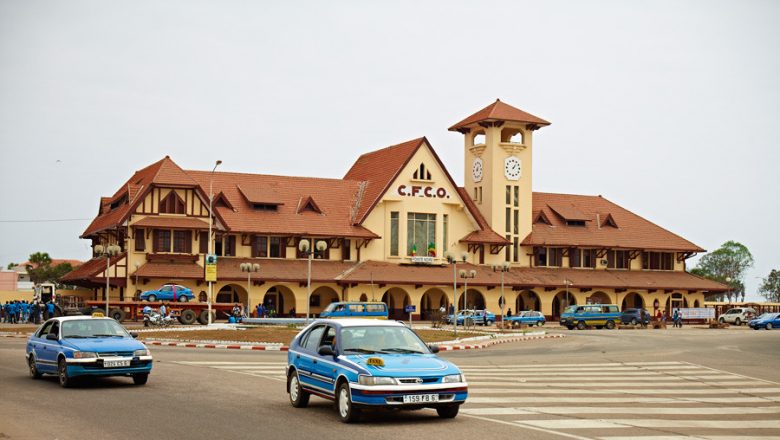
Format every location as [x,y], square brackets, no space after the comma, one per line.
[676,300]
[696,304]
[561,301]
[321,297]
[633,301]
[396,299]
[431,301]
[281,300]
[232,293]
[527,300]
[599,298]
[363,297]
[474,300]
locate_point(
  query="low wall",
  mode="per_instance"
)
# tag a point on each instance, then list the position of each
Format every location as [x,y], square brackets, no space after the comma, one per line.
[10,295]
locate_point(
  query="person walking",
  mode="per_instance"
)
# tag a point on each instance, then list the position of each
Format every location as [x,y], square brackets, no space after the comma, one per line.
[35,312]
[674,318]
[50,309]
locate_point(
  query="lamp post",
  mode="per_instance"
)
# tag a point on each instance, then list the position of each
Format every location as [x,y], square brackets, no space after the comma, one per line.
[454,261]
[249,268]
[305,249]
[503,268]
[211,222]
[108,252]
[466,274]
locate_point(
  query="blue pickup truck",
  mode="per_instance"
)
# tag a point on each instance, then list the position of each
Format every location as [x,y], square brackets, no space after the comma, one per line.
[590,315]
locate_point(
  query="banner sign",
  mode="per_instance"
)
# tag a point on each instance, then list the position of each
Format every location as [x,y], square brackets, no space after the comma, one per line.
[422,259]
[698,313]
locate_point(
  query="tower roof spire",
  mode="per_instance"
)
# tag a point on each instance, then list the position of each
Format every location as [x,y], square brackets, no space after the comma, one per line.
[499,111]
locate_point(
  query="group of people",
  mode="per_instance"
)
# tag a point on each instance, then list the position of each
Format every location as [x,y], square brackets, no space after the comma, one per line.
[677,317]
[26,312]
[264,312]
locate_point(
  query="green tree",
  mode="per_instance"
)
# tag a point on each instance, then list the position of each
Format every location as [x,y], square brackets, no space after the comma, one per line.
[11,266]
[41,270]
[770,286]
[727,265]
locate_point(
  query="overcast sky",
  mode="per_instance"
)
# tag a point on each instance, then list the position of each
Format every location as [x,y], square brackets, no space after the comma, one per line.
[668,108]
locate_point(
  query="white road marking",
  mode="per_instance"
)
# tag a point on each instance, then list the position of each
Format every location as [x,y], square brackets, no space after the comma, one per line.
[589,378]
[635,399]
[662,369]
[624,385]
[562,410]
[702,437]
[618,391]
[652,423]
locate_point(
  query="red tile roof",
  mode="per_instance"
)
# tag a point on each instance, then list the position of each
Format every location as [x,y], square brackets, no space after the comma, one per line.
[170,271]
[163,221]
[485,234]
[523,277]
[86,273]
[335,198]
[633,231]
[278,270]
[379,169]
[499,111]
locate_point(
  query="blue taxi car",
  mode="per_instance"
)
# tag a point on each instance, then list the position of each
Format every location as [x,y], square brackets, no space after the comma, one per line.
[478,317]
[76,346]
[355,309]
[169,292]
[766,321]
[527,317]
[366,364]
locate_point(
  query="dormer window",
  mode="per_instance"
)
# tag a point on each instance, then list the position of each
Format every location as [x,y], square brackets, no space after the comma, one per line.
[309,205]
[172,204]
[575,222]
[421,173]
[264,207]
[118,202]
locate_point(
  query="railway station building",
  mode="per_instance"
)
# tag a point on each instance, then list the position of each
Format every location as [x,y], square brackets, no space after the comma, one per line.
[388,227]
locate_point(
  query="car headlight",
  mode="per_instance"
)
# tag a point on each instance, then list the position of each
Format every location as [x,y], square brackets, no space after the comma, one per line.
[141,352]
[84,354]
[453,378]
[376,380]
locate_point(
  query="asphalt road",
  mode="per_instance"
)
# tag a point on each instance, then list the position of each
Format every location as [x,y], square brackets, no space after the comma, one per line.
[593,384]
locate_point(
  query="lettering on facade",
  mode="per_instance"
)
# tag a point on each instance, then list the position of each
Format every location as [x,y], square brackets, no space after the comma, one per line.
[422,191]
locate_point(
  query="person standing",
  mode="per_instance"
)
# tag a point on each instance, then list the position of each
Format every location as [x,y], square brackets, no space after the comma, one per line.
[509,312]
[50,309]
[35,312]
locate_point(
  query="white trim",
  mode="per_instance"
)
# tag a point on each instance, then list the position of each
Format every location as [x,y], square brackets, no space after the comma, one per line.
[319,359]
[410,387]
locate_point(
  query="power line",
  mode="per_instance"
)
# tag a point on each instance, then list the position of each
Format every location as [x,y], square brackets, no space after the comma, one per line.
[46,220]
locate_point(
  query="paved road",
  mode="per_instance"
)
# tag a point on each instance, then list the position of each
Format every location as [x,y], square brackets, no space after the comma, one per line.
[591,385]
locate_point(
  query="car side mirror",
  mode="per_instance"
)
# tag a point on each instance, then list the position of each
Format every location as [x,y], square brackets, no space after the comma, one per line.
[433,348]
[326,350]
[51,337]
[134,335]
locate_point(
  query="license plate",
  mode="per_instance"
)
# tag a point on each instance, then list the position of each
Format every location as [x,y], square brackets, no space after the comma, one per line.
[421,398]
[112,364]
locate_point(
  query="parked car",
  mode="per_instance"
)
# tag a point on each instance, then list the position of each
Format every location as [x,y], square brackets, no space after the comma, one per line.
[371,364]
[168,292]
[738,315]
[635,316]
[76,346]
[596,315]
[477,317]
[527,317]
[768,321]
[355,310]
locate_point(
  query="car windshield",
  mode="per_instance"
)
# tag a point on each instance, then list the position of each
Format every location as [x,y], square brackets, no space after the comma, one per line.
[93,328]
[331,307]
[767,316]
[570,309]
[381,339]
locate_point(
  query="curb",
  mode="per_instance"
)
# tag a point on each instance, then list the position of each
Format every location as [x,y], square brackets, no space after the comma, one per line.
[222,346]
[496,342]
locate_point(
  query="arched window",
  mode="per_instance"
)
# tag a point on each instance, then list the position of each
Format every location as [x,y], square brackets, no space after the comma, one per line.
[478,139]
[422,173]
[512,136]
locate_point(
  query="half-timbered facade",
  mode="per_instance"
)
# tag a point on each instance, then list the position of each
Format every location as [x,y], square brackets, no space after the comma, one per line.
[389,225]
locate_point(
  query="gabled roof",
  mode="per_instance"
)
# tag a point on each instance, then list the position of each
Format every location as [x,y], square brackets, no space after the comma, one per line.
[634,232]
[499,111]
[485,234]
[162,172]
[379,169]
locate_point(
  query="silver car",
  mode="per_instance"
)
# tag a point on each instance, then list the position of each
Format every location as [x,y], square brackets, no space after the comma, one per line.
[738,315]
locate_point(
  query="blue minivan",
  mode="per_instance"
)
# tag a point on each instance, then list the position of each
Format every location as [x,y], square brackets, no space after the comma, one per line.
[355,309]
[590,315]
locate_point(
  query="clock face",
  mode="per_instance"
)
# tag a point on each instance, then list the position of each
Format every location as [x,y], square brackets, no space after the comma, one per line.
[476,170]
[512,168]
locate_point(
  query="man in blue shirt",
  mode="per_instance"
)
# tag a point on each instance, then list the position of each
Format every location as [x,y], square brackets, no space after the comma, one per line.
[25,311]
[50,309]
[12,312]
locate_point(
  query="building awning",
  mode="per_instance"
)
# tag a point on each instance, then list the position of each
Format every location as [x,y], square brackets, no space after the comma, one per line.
[170,271]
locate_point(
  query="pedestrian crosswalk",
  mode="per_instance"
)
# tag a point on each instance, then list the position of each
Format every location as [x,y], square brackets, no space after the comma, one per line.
[607,401]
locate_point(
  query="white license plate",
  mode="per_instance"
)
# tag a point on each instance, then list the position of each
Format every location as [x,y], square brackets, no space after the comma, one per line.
[421,398]
[112,364]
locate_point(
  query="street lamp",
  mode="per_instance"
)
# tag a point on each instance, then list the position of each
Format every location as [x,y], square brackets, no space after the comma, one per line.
[503,268]
[466,274]
[108,252]
[568,283]
[305,249]
[211,222]
[454,261]
[249,268]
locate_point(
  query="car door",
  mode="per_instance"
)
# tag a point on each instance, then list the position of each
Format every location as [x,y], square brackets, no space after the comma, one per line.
[307,359]
[324,370]
[51,349]
[166,293]
[38,342]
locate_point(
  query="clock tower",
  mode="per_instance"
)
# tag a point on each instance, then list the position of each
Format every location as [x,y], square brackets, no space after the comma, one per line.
[498,146]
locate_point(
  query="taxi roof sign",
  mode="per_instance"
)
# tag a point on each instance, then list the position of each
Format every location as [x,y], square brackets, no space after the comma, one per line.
[376,362]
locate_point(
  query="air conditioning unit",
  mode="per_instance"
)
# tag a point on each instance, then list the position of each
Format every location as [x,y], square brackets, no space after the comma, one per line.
[604,262]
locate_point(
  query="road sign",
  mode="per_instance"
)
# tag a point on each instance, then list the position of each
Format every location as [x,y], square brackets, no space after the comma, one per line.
[211,268]
[411,309]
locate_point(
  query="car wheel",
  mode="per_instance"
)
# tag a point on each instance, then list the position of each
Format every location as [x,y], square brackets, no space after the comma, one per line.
[448,412]
[151,298]
[347,412]
[581,325]
[737,322]
[769,326]
[62,372]
[610,325]
[570,327]
[298,397]
[34,373]
[633,321]
[539,323]
[183,299]
[490,323]
[140,379]
[722,321]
